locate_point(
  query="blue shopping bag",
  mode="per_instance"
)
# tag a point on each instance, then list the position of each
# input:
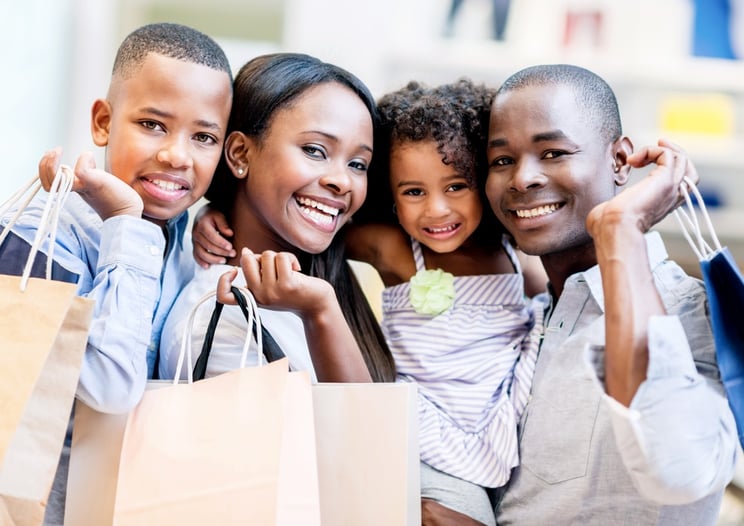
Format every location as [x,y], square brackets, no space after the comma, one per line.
[724,285]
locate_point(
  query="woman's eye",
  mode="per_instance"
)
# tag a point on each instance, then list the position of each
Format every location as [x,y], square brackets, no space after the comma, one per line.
[358,165]
[314,151]
[553,154]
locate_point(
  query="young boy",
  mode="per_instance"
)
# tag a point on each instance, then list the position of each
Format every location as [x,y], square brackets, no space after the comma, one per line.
[163,124]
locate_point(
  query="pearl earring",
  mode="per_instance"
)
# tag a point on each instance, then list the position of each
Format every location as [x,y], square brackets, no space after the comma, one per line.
[240,171]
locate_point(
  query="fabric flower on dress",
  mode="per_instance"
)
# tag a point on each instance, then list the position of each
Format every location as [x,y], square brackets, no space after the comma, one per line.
[432,291]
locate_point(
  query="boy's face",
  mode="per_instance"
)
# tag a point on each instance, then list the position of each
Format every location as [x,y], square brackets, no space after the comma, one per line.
[164,128]
[435,204]
[548,167]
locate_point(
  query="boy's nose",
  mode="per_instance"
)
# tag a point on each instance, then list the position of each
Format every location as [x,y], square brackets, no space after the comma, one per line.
[175,154]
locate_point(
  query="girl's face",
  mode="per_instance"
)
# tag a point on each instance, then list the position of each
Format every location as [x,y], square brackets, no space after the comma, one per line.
[308,174]
[435,204]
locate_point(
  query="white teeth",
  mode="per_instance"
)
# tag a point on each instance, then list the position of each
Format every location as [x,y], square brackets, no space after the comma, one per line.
[306,201]
[539,211]
[434,230]
[168,186]
[317,216]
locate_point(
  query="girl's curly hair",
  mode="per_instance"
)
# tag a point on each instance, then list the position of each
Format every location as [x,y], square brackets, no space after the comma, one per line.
[454,115]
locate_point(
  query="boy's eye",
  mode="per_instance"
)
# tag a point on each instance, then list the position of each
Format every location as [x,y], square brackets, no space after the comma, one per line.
[151,125]
[314,151]
[206,138]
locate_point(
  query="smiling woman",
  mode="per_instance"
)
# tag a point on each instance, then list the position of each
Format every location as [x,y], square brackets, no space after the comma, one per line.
[294,171]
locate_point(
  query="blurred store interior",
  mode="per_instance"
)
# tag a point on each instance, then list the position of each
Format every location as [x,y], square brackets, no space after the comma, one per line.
[677,66]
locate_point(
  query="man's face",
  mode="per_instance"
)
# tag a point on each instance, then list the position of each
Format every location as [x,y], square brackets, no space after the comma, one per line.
[548,167]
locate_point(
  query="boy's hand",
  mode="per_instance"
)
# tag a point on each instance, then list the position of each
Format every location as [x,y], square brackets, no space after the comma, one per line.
[652,198]
[208,235]
[108,195]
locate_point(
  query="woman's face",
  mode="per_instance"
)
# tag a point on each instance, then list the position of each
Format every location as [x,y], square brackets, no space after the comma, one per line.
[308,174]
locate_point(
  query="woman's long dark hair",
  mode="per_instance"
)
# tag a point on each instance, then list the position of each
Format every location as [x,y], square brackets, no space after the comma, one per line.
[263,86]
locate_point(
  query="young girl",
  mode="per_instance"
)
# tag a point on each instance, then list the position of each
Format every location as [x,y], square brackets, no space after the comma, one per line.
[454,308]
[294,171]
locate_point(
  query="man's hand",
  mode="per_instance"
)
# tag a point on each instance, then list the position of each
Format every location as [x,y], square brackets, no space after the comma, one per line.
[655,196]
[108,195]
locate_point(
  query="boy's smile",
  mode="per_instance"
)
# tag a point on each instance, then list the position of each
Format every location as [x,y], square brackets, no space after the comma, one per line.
[164,127]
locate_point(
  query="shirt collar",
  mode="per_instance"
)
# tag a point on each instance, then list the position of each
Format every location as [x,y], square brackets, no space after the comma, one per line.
[177,226]
[656,254]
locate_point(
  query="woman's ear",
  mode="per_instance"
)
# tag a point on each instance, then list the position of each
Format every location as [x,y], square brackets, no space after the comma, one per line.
[100,122]
[237,148]
[621,149]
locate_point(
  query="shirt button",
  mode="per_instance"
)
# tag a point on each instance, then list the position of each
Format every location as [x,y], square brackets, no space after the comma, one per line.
[154,250]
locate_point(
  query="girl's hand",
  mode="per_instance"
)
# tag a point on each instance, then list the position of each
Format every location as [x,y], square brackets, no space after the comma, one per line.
[209,237]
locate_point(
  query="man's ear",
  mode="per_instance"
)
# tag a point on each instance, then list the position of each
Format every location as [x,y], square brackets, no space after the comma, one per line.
[621,149]
[100,122]
[237,149]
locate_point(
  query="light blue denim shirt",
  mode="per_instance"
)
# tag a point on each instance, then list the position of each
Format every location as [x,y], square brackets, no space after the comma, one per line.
[586,459]
[123,266]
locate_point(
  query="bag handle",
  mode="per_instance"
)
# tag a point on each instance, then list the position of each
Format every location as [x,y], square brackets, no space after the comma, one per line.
[687,217]
[58,193]
[251,312]
[266,342]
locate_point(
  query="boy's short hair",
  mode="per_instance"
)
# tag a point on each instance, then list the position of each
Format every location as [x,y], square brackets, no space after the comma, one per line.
[592,93]
[170,40]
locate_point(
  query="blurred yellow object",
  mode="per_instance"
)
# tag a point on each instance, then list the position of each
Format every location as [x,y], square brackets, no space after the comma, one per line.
[708,114]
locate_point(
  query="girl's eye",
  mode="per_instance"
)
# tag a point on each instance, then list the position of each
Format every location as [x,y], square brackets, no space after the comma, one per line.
[206,138]
[314,151]
[414,192]
[456,187]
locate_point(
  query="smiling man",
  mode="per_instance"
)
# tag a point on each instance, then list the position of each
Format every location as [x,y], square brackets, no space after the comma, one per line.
[627,422]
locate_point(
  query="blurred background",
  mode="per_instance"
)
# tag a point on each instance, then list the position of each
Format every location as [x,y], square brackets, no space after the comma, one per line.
[676,65]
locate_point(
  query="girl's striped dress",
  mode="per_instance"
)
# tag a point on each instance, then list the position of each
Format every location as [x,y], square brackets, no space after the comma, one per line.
[473,365]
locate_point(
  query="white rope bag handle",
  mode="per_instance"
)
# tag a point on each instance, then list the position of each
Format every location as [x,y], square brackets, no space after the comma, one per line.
[47,229]
[253,319]
[687,217]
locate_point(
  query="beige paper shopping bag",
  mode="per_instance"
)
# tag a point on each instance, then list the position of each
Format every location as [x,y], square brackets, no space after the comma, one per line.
[368,456]
[233,449]
[204,453]
[30,461]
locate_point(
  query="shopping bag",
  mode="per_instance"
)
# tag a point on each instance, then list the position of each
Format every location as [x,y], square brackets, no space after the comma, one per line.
[724,286]
[237,448]
[368,456]
[43,333]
